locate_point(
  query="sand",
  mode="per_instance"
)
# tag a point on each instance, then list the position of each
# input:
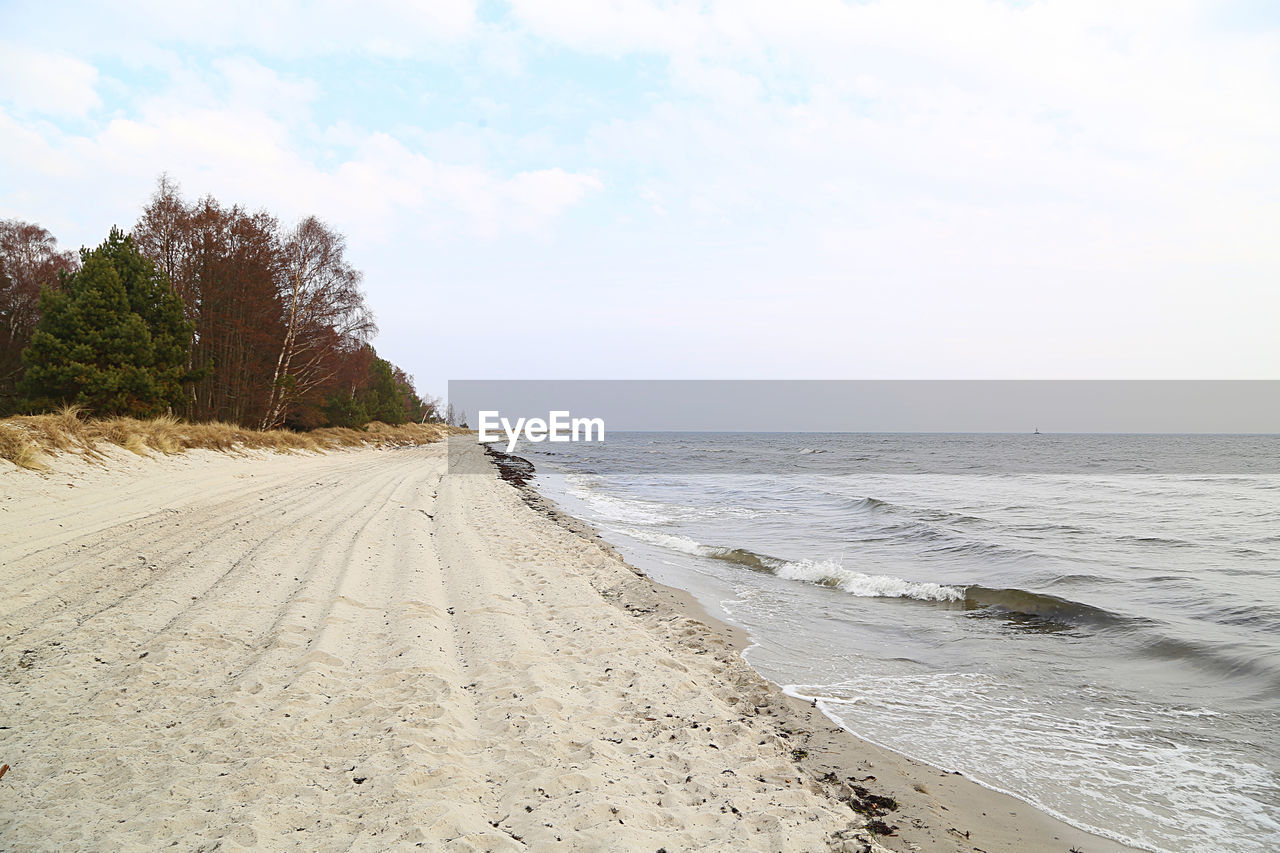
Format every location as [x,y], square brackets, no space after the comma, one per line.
[363,651]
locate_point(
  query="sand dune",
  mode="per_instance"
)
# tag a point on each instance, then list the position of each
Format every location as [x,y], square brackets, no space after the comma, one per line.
[355,651]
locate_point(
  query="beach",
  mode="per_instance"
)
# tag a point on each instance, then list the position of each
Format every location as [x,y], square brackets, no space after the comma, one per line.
[385,648]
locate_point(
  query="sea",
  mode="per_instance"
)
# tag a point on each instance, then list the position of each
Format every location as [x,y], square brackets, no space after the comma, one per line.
[1090,623]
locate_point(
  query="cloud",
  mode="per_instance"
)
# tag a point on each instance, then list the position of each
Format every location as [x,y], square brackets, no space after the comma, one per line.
[1062,187]
[288,28]
[829,114]
[47,83]
[614,27]
[253,86]
[226,133]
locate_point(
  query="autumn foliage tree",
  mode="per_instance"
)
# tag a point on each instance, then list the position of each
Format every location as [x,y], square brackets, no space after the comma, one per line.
[268,304]
[273,327]
[225,264]
[29,262]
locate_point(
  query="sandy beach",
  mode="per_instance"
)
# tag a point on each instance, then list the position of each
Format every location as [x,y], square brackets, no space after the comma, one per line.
[375,650]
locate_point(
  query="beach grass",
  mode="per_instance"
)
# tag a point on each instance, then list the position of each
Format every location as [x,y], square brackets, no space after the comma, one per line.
[27,441]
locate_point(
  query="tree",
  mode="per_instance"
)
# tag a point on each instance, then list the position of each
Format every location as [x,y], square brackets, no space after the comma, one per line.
[234,263]
[323,308]
[415,409]
[153,300]
[29,261]
[226,264]
[429,410]
[114,339]
[162,233]
[344,410]
[208,310]
[382,399]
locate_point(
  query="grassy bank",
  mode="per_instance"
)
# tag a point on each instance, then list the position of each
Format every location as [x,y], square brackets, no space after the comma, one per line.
[28,440]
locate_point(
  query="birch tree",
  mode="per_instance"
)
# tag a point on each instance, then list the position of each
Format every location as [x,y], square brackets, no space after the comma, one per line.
[322,305]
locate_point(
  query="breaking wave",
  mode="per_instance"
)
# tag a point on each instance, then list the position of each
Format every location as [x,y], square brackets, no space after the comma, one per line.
[820,572]
[1016,604]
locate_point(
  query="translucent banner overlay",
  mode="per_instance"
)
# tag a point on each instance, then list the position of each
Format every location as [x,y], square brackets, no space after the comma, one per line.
[1055,426]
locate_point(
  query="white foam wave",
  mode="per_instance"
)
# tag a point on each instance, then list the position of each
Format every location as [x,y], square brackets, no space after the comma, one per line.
[683,544]
[825,572]
[586,488]
[832,574]
[937,716]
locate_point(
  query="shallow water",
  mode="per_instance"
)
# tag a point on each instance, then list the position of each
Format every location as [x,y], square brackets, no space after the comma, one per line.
[1091,623]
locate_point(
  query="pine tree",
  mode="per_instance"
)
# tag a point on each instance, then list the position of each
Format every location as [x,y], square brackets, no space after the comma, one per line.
[382,399]
[113,340]
[29,262]
[341,409]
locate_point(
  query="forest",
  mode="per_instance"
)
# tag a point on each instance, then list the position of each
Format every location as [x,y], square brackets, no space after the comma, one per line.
[204,310]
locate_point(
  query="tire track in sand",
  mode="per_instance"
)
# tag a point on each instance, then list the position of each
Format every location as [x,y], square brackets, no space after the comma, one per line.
[357,652]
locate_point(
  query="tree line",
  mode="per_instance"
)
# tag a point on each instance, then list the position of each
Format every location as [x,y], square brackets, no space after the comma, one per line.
[207,311]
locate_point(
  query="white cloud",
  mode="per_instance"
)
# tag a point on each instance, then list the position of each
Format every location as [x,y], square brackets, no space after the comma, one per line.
[252,86]
[242,149]
[824,113]
[290,28]
[614,26]
[47,83]
[1056,188]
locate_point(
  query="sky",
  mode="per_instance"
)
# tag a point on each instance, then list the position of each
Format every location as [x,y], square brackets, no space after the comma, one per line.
[622,189]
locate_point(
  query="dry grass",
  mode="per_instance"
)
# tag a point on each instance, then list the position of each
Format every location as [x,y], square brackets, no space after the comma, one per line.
[26,439]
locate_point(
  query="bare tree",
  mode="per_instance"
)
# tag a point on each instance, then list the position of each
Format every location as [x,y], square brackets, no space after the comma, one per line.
[234,266]
[430,410]
[162,233]
[226,264]
[322,306]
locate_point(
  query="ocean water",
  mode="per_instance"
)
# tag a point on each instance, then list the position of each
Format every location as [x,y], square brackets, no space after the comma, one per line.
[1088,622]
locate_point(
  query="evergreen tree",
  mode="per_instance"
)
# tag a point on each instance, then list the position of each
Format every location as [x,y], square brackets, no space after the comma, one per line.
[113,340]
[29,262]
[342,409]
[382,399]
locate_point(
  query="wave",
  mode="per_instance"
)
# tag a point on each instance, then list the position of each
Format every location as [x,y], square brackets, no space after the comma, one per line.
[1024,604]
[588,489]
[819,572]
[826,573]
[1018,605]
[915,515]
[1018,609]
[935,532]
[1155,540]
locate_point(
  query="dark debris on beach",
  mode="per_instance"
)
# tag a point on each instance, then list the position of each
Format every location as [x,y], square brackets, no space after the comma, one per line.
[513,469]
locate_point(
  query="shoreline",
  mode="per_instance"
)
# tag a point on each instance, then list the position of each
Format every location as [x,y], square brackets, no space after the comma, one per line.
[976,816]
[371,649]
